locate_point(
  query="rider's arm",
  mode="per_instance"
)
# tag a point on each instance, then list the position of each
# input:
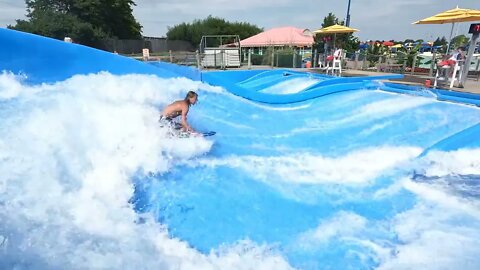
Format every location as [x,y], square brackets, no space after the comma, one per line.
[185,124]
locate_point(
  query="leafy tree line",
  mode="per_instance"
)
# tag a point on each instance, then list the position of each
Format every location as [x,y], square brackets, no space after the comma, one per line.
[193,32]
[438,42]
[375,49]
[85,21]
[350,43]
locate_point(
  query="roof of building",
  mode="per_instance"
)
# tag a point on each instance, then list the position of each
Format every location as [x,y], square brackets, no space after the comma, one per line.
[282,36]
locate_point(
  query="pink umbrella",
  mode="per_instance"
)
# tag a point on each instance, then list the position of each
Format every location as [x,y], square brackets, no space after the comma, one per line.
[282,36]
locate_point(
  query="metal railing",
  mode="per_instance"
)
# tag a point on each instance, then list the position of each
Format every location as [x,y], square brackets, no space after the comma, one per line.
[413,64]
[272,59]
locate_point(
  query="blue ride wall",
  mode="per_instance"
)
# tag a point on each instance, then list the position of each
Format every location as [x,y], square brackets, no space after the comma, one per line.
[329,85]
[185,71]
[467,138]
[48,60]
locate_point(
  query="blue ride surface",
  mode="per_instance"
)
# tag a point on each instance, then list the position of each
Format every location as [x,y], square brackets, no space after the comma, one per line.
[317,174]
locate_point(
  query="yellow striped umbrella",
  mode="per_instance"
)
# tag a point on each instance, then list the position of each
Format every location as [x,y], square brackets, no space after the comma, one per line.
[335,29]
[452,16]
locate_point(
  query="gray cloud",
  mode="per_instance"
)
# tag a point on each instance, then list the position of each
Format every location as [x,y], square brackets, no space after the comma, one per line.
[376,19]
[10,10]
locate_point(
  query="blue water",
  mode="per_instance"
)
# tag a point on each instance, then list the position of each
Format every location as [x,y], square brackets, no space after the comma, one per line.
[338,181]
[213,205]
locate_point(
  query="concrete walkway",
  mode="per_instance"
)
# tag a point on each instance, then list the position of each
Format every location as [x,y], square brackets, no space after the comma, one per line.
[472,85]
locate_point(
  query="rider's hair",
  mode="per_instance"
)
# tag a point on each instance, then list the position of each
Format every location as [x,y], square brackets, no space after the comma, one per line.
[190,95]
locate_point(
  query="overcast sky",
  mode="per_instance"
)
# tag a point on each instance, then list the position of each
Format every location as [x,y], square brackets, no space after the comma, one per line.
[376,19]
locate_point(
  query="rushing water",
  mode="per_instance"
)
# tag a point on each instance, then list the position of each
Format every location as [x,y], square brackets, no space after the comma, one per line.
[89,180]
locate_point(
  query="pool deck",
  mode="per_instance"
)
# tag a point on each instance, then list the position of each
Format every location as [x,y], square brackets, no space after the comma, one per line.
[472,85]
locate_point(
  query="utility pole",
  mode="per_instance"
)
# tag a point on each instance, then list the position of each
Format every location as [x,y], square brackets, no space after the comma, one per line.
[347,23]
[475,31]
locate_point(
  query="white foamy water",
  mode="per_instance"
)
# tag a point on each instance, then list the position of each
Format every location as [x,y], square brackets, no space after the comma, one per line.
[463,161]
[442,230]
[381,109]
[440,233]
[333,228]
[290,86]
[358,167]
[68,153]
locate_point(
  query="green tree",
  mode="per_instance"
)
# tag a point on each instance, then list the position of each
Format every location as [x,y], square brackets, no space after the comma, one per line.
[409,55]
[440,41]
[330,20]
[85,21]
[459,41]
[374,51]
[193,32]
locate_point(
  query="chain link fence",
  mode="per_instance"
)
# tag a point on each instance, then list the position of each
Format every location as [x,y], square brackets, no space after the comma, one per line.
[155,45]
[403,63]
[282,60]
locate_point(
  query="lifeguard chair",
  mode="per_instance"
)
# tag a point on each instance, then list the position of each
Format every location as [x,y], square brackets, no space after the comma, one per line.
[456,74]
[336,63]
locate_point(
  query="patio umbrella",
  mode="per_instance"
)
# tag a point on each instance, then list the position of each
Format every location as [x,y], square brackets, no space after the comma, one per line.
[452,16]
[387,43]
[335,29]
